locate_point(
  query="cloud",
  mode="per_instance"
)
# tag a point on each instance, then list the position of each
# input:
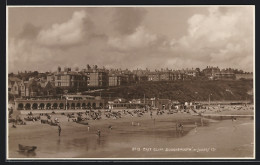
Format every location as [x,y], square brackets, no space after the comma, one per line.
[140,39]
[29,31]
[219,38]
[127,19]
[26,54]
[43,49]
[66,34]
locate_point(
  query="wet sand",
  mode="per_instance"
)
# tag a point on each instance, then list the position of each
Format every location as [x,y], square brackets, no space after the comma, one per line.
[153,139]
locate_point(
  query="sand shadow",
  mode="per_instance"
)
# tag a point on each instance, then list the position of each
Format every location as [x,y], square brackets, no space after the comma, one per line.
[27,153]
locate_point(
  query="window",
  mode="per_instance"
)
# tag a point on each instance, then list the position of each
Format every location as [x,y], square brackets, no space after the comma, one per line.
[59,84]
[58,77]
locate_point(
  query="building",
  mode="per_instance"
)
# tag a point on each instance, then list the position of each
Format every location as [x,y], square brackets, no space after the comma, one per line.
[117,80]
[244,76]
[157,103]
[154,76]
[30,88]
[68,78]
[128,75]
[163,103]
[66,102]
[96,77]
[224,76]
[178,75]
[51,78]
[166,76]
[24,89]
[49,89]
[14,85]
[211,72]
[191,73]
[122,104]
[141,75]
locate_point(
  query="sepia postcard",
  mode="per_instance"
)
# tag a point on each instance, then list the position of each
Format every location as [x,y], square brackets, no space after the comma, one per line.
[130,82]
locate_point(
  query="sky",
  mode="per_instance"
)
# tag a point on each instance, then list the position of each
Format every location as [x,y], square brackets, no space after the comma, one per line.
[43,38]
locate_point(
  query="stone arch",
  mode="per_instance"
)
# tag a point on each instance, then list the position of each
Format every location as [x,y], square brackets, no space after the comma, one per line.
[61,105]
[72,105]
[35,106]
[84,105]
[88,105]
[68,105]
[78,105]
[93,105]
[48,106]
[27,106]
[20,106]
[55,105]
[42,106]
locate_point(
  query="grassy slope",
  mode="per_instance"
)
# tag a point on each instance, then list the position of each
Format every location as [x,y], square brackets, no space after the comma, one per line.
[185,91]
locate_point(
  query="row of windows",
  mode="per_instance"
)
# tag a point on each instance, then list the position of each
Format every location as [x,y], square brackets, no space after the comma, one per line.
[72,78]
[72,84]
[63,84]
[68,77]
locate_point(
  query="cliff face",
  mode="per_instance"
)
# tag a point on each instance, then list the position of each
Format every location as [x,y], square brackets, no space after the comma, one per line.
[186,91]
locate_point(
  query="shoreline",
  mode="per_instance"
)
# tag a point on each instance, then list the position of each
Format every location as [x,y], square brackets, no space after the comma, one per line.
[75,137]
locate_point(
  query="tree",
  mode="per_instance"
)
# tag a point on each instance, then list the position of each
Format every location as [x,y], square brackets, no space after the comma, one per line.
[59,90]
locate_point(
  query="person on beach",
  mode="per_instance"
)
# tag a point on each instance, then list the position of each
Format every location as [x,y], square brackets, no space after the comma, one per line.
[88,128]
[14,126]
[59,129]
[151,114]
[98,133]
[180,128]
[196,126]
[233,119]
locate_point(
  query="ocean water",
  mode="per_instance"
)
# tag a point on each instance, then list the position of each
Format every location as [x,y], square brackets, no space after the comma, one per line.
[159,139]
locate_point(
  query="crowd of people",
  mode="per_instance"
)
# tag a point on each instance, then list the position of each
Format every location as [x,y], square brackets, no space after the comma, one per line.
[79,117]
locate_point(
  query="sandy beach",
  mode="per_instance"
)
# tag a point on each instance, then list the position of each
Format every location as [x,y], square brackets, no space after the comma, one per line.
[139,137]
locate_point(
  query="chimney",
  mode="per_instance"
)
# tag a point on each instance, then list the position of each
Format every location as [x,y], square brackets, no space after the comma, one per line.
[65,69]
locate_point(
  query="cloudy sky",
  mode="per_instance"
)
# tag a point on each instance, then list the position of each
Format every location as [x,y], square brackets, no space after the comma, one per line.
[42,38]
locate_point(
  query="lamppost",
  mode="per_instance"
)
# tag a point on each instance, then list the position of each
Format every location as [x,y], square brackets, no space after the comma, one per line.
[66,91]
[144,99]
[209,98]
